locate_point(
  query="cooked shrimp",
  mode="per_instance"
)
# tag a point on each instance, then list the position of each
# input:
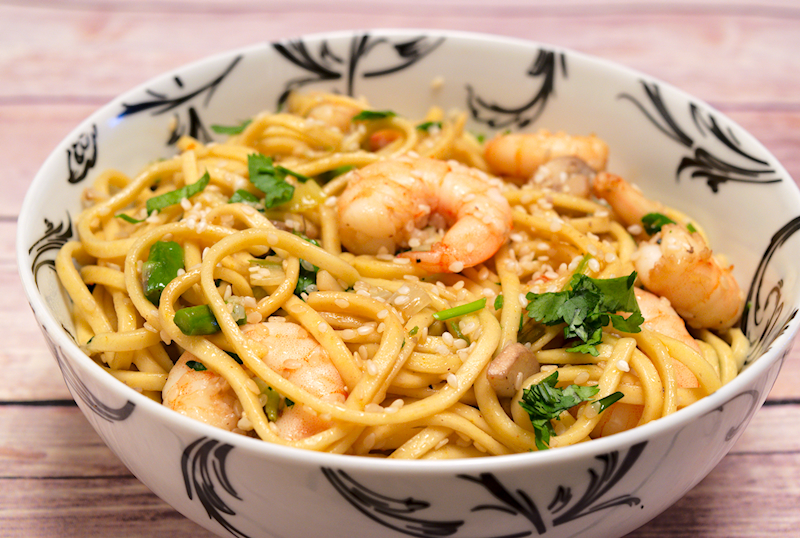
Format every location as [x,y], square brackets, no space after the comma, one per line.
[627,201]
[659,317]
[520,154]
[205,396]
[298,357]
[678,265]
[675,263]
[332,110]
[387,202]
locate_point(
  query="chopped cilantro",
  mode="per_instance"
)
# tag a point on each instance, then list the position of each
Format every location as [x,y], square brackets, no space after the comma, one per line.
[653,222]
[588,305]
[244,197]
[544,402]
[162,201]
[414,330]
[197,366]
[269,180]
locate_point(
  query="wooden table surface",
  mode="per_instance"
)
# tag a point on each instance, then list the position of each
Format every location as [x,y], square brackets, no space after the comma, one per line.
[62,59]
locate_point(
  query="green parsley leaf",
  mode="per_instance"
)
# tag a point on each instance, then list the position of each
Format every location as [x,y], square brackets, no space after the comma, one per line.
[365,115]
[157,203]
[691,228]
[231,129]
[544,402]
[588,305]
[269,180]
[653,222]
[414,330]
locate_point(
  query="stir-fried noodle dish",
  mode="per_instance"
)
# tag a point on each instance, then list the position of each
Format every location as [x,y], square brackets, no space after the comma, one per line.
[344,279]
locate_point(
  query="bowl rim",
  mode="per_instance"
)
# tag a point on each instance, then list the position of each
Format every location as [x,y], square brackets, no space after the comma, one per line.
[775,352]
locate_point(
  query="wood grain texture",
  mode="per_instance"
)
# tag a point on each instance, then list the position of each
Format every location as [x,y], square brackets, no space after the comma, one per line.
[62,59]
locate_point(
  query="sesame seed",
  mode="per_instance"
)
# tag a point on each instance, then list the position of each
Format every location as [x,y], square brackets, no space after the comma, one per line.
[623,365]
[365,330]
[452,380]
[322,326]
[254,317]
[456,267]
[372,368]
[341,302]
[382,314]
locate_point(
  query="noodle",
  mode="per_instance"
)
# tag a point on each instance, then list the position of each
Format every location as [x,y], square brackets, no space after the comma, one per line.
[413,384]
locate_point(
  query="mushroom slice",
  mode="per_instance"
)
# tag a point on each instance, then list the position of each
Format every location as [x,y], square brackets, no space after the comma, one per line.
[568,174]
[509,368]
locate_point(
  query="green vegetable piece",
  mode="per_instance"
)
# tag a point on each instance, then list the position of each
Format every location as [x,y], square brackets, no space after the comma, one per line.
[244,197]
[498,302]
[414,330]
[162,201]
[308,272]
[286,172]
[366,115]
[196,366]
[609,400]
[161,268]
[128,218]
[586,307]
[231,129]
[272,406]
[196,320]
[691,228]
[426,126]
[269,180]
[461,310]
[235,357]
[336,172]
[544,402]
[653,222]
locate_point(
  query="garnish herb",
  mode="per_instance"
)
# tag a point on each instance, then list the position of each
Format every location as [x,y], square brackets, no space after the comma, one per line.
[128,218]
[196,366]
[653,222]
[588,305]
[272,406]
[308,273]
[200,320]
[325,177]
[544,402]
[461,310]
[162,201]
[691,227]
[231,129]
[426,126]
[269,180]
[414,330]
[244,197]
[365,115]
[235,357]
[161,268]
[498,302]
[608,401]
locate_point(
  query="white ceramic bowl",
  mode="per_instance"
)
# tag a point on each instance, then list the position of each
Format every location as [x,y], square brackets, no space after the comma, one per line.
[673,145]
